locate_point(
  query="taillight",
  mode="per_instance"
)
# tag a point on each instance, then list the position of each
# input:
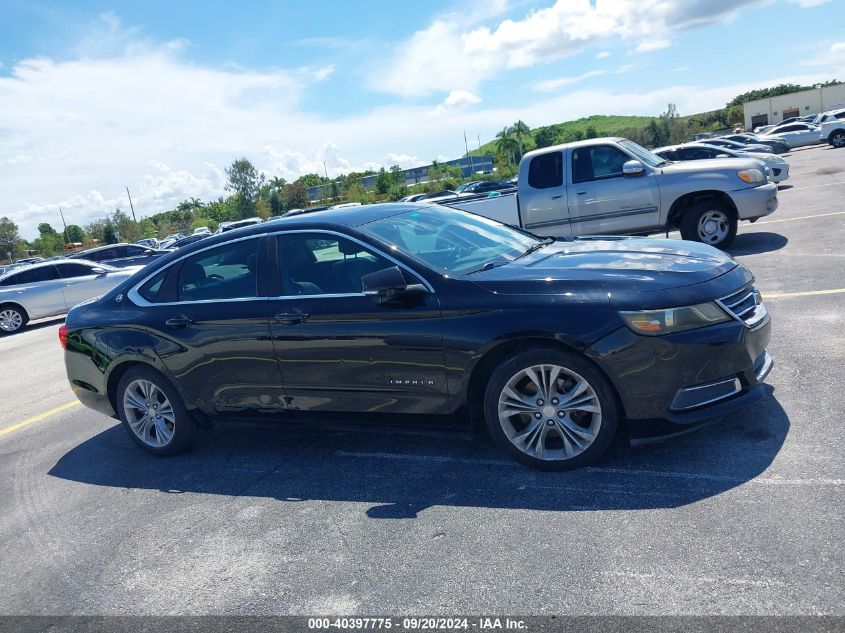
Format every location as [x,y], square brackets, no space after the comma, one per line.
[63,336]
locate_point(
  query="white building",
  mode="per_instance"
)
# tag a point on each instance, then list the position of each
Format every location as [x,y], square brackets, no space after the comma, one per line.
[775,109]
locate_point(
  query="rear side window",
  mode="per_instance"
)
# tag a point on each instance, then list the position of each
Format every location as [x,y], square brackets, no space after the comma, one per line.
[546,171]
[228,271]
[68,271]
[151,290]
[33,275]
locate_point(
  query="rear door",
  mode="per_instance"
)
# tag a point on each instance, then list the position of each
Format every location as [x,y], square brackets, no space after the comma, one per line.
[602,200]
[211,311]
[340,350]
[542,195]
[38,289]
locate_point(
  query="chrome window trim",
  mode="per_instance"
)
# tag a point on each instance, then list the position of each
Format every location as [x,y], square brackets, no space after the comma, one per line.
[137,299]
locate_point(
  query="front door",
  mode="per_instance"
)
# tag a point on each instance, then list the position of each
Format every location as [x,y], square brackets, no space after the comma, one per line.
[212,315]
[82,281]
[602,200]
[340,350]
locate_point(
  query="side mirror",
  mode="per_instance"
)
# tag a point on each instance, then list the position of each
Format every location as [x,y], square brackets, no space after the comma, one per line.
[99,271]
[389,285]
[149,251]
[632,168]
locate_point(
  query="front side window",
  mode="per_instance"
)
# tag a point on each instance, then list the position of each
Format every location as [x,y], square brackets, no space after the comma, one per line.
[67,271]
[228,271]
[324,264]
[697,153]
[450,241]
[546,171]
[597,162]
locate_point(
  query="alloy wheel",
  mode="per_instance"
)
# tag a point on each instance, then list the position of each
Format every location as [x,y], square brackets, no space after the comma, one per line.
[550,412]
[838,139]
[713,227]
[149,413]
[10,320]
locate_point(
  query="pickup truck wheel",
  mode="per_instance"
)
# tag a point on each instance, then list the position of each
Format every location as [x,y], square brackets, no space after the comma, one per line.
[550,409]
[709,222]
[837,138]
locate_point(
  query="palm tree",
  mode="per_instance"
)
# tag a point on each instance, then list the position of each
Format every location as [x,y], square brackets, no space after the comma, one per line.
[277,183]
[519,130]
[506,143]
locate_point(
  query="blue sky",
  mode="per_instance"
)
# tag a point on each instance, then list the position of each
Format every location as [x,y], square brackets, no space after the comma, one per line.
[161,96]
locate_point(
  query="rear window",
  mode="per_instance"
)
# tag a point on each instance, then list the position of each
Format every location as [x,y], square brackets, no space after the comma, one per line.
[546,171]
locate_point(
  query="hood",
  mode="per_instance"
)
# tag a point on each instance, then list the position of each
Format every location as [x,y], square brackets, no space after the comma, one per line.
[616,269]
[709,165]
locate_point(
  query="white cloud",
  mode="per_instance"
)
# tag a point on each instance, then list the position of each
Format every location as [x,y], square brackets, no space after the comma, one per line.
[321,74]
[551,85]
[603,55]
[405,161]
[458,98]
[805,4]
[448,54]
[647,46]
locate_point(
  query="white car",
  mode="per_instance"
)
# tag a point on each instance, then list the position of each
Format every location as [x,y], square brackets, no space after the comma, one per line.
[778,167]
[202,230]
[795,134]
[739,147]
[53,287]
[832,127]
[237,224]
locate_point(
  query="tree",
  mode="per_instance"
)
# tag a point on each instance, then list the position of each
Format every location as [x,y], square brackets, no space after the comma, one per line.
[295,196]
[75,233]
[383,181]
[312,180]
[278,183]
[545,137]
[590,132]
[9,237]
[109,233]
[45,229]
[506,144]
[244,180]
[519,131]
[397,175]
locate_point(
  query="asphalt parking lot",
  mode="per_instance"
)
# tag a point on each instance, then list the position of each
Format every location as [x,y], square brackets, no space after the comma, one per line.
[746,516]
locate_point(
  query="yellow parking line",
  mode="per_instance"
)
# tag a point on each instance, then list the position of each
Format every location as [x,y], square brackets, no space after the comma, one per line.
[803,217]
[38,418]
[808,293]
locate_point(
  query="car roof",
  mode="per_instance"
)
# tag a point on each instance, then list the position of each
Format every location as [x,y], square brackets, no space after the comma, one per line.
[50,262]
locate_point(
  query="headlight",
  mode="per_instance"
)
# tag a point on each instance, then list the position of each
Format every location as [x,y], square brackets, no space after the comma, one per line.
[669,320]
[751,176]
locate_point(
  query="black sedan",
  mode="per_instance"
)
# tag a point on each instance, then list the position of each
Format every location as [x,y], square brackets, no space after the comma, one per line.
[404,310]
[778,146]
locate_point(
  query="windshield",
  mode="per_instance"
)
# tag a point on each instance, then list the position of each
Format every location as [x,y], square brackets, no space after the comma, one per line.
[450,241]
[643,155]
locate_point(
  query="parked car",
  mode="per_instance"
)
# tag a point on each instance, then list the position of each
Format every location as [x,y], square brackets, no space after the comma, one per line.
[832,127]
[460,188]
[51,288]
[740,147]
[238,224]
[440,195]
[795,134]
[30,260]
[202,230]
[414,197]
[778,146]
[778,167]
[763,129]
[421,309]
[614,186]
[120,255]
[149,242]
[186,240]
[487,186]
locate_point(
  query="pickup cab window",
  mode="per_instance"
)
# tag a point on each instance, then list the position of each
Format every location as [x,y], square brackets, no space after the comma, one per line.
[597,162]
[546,171]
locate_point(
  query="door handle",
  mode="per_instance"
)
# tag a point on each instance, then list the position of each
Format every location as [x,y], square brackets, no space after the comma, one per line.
[291,318]
[558,196]
[580,193]
[177,323]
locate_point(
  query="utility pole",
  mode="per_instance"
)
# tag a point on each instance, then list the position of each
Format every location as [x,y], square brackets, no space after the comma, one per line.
[471,168]
[130,205]
[64,224]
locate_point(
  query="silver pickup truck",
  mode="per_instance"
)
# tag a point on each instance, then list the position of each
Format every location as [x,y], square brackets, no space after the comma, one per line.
[609,186]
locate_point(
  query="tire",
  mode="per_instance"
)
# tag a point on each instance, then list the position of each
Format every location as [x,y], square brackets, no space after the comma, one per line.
[12,318]
[709,222]
[173,429]
[837,138]
[562,437]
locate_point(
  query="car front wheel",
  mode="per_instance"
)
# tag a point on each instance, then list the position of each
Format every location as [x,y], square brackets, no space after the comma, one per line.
[153,414]
[12,319]
[711,223]
[837,138]
[550,409]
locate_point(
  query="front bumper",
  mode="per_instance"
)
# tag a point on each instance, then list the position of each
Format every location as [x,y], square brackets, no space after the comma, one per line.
[688,377]
[756,202]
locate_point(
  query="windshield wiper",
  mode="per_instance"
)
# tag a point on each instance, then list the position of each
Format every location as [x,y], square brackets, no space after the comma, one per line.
[535,247]
[493,263]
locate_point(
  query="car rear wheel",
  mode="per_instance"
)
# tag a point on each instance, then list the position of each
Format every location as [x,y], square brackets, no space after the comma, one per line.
[153,414]
[837,138]
[710,222]
[12,319]
[550,409]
